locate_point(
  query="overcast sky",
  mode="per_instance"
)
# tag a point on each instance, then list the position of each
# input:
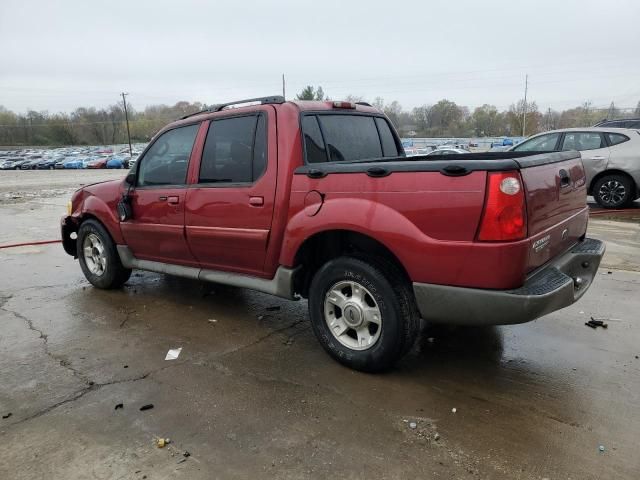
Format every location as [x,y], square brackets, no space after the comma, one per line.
[58,55]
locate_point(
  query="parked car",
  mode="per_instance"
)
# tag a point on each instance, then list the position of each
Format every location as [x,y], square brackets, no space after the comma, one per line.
[116,162]
[374,240]
[611,159]
[100,162]
[31,164]
[75,163]
[47,163]
[448,151]
[10,163]
[620,123]
[15,164]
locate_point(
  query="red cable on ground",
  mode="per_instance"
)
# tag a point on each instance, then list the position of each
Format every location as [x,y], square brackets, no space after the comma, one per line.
[26,244]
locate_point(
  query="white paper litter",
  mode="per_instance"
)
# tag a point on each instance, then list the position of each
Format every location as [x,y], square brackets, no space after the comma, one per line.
[173,353]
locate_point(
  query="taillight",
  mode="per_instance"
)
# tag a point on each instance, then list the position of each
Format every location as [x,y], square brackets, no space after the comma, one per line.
[505,212]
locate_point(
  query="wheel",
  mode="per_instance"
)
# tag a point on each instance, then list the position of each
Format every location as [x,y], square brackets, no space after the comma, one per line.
[613,191]
[363,313]
[99,258]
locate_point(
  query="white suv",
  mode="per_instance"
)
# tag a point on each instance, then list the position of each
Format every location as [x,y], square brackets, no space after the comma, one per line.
[611,158]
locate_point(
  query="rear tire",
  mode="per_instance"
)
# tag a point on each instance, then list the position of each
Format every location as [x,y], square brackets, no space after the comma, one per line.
[614,191]
[363,313]
[99,259]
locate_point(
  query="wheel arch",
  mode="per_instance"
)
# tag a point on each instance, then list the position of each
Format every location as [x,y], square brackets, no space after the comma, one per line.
[325,245]
[613,171]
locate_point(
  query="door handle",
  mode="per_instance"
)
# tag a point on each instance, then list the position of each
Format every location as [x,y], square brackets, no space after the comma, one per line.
[565,180]
[256,201]
[597,157]
[173,200]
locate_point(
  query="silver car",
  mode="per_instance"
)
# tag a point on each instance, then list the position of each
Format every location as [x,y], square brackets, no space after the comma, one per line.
[611,158]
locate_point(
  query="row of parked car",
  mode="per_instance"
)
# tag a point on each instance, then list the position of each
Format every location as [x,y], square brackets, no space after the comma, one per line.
[70,158]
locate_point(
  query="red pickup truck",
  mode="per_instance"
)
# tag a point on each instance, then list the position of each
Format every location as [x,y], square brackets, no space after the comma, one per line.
[317,200]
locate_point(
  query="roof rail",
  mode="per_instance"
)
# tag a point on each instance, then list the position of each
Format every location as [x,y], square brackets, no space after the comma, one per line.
[275,99]
[366,104]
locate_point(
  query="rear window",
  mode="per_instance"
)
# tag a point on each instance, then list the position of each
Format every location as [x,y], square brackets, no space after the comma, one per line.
[343,138]
[616,138]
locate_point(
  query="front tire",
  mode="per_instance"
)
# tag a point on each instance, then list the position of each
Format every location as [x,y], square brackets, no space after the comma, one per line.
[613,191]
[363,313]
[99,259]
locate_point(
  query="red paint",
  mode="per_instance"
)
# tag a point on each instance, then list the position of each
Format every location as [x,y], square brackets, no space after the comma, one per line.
[427,220]
[28,244]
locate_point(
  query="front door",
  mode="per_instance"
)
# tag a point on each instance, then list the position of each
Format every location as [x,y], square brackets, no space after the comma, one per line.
[230,207]
[156,229]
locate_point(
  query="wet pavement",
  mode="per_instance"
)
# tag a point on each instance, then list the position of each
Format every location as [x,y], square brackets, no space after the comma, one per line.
[253,395]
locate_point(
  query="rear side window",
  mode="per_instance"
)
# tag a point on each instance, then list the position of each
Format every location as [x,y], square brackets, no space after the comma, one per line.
[350,137]
[234,151]
[616,138]
[582,141]
[314,144]
[543,143]
[389,147]
[343,138]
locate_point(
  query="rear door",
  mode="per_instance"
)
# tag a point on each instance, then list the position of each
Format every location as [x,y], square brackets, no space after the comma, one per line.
[230,207]
[593,148]
[156,230]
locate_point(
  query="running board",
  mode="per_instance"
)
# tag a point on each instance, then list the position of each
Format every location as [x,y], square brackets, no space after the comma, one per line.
[281,285]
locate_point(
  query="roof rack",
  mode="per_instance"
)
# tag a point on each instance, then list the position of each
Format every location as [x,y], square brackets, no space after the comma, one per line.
[366,104]
[275,99]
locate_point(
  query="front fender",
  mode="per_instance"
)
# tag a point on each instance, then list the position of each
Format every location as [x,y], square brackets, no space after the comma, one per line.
[105,213]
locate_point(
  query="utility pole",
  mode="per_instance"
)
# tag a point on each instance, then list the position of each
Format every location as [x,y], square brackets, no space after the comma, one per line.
[126,116]
[524,113]
[549,126]
[283,86]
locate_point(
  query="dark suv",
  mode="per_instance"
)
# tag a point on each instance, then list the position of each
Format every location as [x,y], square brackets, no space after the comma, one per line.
[621,123]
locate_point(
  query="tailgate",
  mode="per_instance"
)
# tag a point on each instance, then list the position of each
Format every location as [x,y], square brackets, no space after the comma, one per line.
[556,196]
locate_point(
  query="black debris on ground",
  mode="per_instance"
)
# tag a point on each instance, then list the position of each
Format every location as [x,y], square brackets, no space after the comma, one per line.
[148,406]
[596,322]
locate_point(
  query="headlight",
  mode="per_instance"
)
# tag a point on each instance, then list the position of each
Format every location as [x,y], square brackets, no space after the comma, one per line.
[69,208]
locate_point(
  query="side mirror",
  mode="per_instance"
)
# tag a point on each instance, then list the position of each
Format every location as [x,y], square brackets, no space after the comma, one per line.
[130,178]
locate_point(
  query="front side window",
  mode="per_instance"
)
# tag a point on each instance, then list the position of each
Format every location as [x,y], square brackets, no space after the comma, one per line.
[543,143]
[582,141]
[616,138]
[166,161]
[235,150]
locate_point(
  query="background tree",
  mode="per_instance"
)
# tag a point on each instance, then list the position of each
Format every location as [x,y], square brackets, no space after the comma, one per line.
[516,115]
[310,93]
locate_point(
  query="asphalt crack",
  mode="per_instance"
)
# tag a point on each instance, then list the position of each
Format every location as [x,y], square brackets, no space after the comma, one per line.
[91,387]
[261,339]
[63,362]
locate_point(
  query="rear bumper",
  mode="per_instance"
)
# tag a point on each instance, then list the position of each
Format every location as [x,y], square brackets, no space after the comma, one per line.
[556,285]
